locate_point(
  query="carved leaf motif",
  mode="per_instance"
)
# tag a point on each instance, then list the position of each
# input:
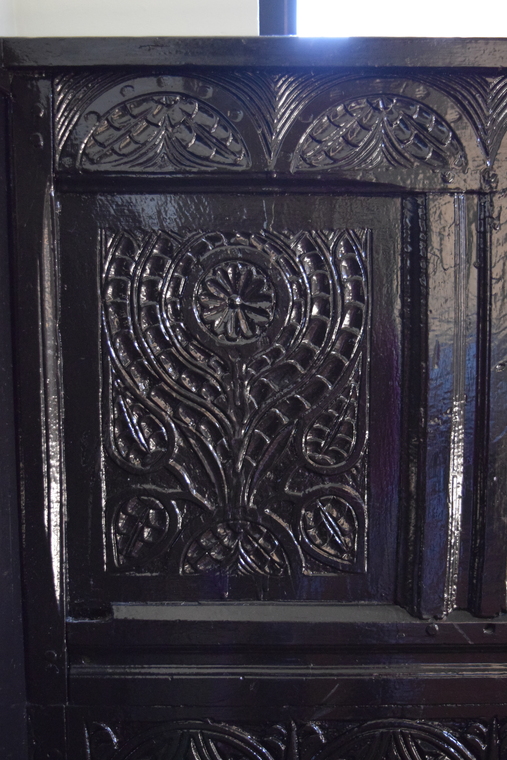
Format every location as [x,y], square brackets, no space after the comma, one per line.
[331,438]
[164,131]
[330,528]
[138,438]
[380,129]
[246,548]
[300,381]
[140,526]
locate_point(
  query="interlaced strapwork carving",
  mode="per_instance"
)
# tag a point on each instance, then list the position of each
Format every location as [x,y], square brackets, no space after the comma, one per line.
[236,364]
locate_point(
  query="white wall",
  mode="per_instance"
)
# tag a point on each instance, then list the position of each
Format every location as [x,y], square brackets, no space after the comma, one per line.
[128,18]
[397,18]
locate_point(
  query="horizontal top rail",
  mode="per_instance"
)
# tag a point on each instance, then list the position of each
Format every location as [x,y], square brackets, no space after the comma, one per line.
[284,52]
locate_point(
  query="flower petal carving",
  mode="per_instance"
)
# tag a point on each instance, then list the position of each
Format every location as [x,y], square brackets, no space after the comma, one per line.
[236,301]
[246,548]
[161,132]
[362,133]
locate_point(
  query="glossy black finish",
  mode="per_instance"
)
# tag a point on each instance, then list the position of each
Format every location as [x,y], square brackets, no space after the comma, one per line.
[258,52]
[12,675]
[333,573]
[260,363]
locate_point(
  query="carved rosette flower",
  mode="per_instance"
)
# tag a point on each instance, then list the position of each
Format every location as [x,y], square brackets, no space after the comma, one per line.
[236,301]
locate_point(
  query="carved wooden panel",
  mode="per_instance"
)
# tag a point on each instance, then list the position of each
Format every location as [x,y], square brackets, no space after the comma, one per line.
[378,740]
[407,130]
[261,359]
[235,402]
[238,373]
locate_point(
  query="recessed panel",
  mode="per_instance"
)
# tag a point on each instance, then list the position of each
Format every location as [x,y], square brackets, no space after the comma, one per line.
[231,404]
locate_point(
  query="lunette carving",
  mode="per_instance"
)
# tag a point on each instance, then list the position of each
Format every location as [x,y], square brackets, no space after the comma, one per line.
[376,740]
[164,131]
[175,130]
[273,101]
[236,373]
[379,129]
[196,740]
[483,100]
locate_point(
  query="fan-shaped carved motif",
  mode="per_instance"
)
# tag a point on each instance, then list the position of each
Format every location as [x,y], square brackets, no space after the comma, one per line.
[403,740]
[193,741]
[369,131]
[164,131]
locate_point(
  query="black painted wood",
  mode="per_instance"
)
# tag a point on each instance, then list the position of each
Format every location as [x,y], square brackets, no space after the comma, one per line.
[259,354]
[37,391]
[259,52]
[12,675]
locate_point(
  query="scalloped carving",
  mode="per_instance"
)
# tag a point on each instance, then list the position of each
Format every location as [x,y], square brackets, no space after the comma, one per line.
[374,740]
[164,131]
[365,132]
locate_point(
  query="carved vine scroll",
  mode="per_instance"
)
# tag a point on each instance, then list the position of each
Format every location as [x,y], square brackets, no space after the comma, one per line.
[236,395]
